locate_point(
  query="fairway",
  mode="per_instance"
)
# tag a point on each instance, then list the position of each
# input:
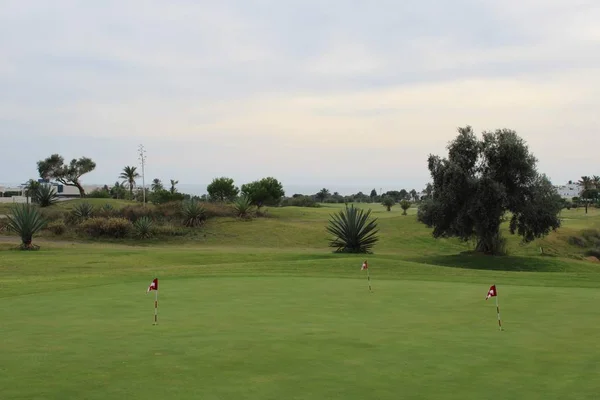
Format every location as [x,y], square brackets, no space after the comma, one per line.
[277,317]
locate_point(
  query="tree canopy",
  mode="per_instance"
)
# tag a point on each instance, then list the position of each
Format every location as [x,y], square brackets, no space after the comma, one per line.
[482,180]
[267,191]
[222,189]
[54,167]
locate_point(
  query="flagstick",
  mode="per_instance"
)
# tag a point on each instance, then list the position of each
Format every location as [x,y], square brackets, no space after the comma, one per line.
[156,308]
[498,311]
[369,279]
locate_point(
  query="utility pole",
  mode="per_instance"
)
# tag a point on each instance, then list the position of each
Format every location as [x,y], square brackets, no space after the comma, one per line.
[142,157]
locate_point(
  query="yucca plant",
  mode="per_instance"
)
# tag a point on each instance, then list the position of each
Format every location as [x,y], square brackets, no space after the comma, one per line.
[193,213]
[242,207]
[83,211]
[353,231]
[143,228]
[45,196]
[25,220]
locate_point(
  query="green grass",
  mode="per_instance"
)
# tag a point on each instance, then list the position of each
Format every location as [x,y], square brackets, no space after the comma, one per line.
[264,310]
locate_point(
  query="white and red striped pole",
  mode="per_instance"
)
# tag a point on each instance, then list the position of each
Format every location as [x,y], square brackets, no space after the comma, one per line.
[498,311]
[156,308]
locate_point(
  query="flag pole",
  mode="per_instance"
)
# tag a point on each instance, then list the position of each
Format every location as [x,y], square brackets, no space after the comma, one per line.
[156,308]
[498,310]
[369,280]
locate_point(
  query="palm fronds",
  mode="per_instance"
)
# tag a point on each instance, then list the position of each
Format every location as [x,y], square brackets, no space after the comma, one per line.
[353,231]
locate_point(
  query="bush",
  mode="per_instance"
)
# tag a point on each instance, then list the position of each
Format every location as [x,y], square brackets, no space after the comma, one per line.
[99,194]
[169,230]
[405,205]
[82,211]
[218,210]
[133,213]
[165,196]
[242,207]
[591,235]
[352,231]
[194,214]
[53,214]
[45,196]
[577,241]
[593,253]
[168,211]
[143,228]
[300,201]
[57,227]
[25,220]
[107,210]
[110,227]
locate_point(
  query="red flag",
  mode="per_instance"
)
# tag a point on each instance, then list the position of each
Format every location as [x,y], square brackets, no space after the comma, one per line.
[153,285]
[364,266]
[492,292]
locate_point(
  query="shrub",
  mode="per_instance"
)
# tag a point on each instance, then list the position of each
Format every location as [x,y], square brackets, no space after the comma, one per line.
[168,211]
[577,241]
[242,207]
[218,210]
[99,194]
[194,214]
[53,214]
[45,196]
[110,227]
[593,253]
[133,213]
[169,230]
[107,210]
[300,201]
[117,227]
[25,220]
[591,235]
[405,205]
[388,202]
[352,231]
[143,228]
[82,211]
[57,227]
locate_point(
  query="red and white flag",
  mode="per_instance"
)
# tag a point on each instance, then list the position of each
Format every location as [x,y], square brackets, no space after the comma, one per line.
[364,266]
[153,285]
[492,292]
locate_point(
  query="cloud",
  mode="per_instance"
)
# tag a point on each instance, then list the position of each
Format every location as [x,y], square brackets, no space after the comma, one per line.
[269,83]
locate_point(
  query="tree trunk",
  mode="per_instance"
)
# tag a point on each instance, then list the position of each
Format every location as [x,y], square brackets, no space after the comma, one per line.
[81,190]
[491,243]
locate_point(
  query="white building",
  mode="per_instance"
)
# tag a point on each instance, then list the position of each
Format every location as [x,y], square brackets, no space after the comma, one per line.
[569,190]
[63,191]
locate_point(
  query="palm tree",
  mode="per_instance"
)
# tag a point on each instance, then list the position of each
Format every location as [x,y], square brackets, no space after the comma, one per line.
[31,188]
[157,185]
[353,231]
[129,175]
[587,184]
[322,195]
[596,181]
[173,183]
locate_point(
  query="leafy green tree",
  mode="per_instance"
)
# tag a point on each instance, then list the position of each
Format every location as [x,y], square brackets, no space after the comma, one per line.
[428,191]
[352,231]
[222,189]
[373,194]
[394,194]
[403,194]
[322,195]
[118,191]
[54,167]
[482,180]
[588,193]
[388,202]
[267,191]
[128,176]
[405,205]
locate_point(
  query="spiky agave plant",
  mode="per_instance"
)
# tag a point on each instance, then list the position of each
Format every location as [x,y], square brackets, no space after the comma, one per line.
[83,211]
[193,213]
[45,196]
[242,207]
[25,220]
[143,228]
[353,231]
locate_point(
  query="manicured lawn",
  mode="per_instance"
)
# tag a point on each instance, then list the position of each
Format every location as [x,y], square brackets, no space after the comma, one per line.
[264,310]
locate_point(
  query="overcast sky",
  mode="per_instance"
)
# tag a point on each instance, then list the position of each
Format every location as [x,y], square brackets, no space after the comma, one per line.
[311,91]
